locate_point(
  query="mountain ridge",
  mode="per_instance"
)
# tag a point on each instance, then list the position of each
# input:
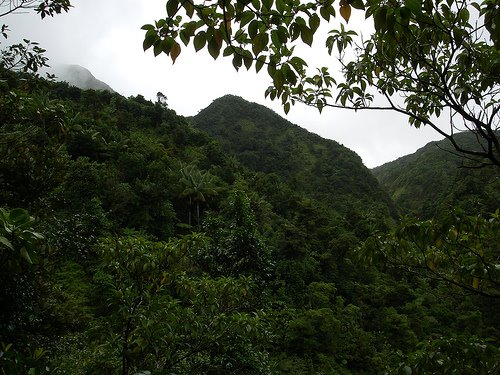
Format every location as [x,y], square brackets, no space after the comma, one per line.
[436,177]
[265,142]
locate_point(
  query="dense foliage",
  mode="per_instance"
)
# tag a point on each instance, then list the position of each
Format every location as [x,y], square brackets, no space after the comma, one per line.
[149,248]
[429,182]
[265,142]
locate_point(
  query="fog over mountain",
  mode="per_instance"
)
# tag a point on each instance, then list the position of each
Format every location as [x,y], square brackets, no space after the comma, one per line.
[80,77]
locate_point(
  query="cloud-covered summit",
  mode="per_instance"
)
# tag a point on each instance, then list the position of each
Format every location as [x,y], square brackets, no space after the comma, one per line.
[80,77]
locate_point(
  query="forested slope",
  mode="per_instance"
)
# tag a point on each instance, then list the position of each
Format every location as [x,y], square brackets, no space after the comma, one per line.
[263,141]
[435,178]
[132,243]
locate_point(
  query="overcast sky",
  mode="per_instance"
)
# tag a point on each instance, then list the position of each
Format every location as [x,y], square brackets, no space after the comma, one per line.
[105,37]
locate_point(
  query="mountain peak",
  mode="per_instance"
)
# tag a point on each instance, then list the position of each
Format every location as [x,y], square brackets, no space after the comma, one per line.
[263,141]
[80,77]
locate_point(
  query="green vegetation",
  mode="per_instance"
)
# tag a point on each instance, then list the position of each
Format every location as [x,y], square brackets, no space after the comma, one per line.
[429,182]
[322,169]
[135,242]
[150,247]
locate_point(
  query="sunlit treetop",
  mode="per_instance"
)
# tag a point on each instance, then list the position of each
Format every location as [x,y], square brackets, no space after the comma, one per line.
[426,59]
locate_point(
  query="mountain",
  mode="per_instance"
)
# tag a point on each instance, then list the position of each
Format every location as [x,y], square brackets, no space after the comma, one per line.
[435,178]
[156,251]
[80,77]
[263,141]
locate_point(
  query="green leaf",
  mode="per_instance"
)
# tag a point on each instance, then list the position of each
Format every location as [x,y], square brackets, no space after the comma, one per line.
[415,6]
[379,19]
[25,255]
[295,31]
[228,51]
[166,45]
[237,61]
[259,43]
[260,63]
[358,4]
[172,7]
[246,17]
[390,20]
[298,64]
[275,39]
[253,29]
[6,242]
[190,28]
[314,22]
[200,40]
[320,105]
[278,79]
[267,4]
[405,14]
[213,48]
[324,13]
[157,49]
[271,69]
[19,216]
[184,36]
[291,77]
[161,23]
[286,107]
[306,35]
[188,6]
[149,41]
[280,6]
[283,34]
[464,15]
[247,60]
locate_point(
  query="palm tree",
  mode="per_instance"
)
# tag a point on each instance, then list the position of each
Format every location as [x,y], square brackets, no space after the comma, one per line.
[198,186]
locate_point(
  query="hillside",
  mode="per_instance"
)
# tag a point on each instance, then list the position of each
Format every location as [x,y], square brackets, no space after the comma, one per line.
[263,141]
[132,242]
[435,178]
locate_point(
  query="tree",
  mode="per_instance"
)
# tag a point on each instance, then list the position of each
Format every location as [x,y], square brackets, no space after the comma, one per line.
[198,186]
[236,246]
[157,316]
[161,100]
[453,355]
[19,244]
[459,249]
[425,58]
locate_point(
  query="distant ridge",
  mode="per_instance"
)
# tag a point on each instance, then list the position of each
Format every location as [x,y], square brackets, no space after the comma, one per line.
[80,77]
[435,178]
